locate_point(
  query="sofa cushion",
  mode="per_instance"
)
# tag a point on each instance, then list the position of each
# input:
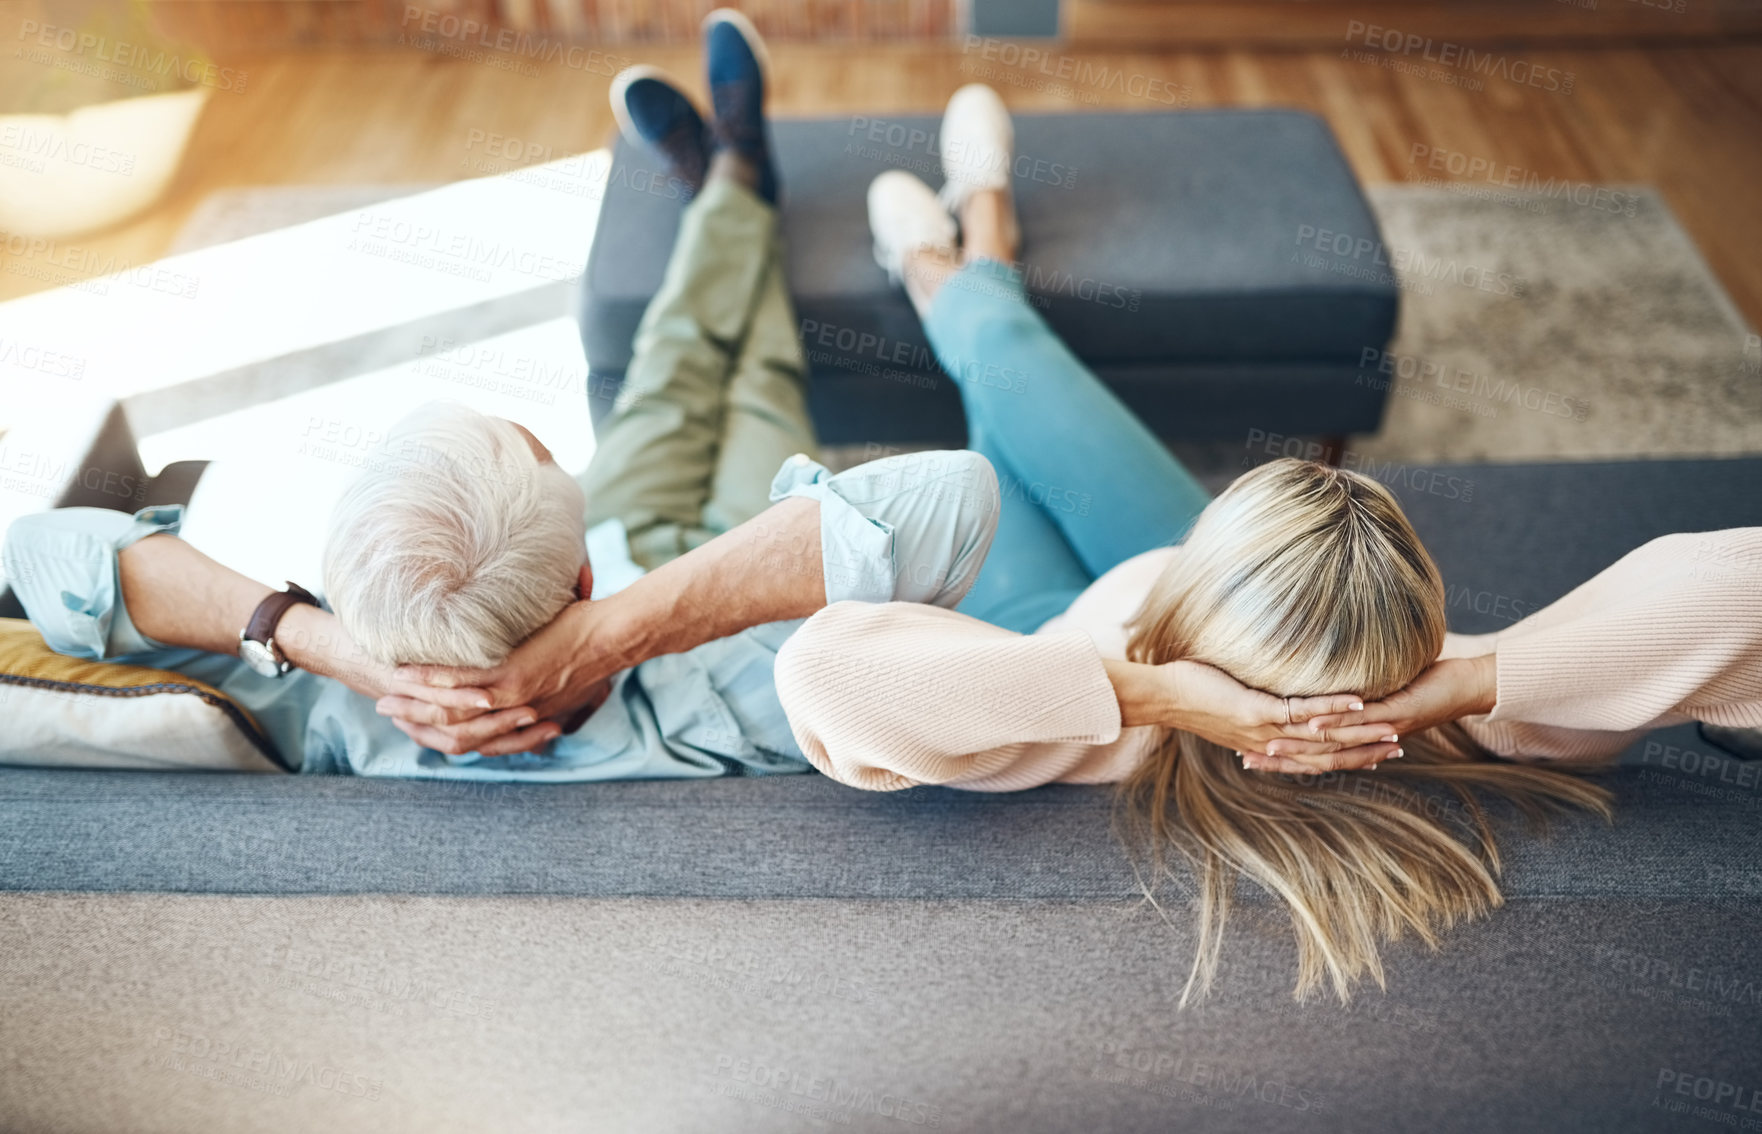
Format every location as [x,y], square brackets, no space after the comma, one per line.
[782,837]
[1222,401]
[1509,539]
[69,712]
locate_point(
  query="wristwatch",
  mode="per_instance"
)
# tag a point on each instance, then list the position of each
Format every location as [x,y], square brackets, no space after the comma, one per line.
[257,647]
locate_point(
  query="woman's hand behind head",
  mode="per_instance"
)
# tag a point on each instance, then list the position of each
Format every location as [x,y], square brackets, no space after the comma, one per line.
[1209,703]
[1447,690]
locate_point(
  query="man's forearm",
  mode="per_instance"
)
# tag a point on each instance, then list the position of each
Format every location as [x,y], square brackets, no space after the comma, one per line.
[768,569]
[179,597]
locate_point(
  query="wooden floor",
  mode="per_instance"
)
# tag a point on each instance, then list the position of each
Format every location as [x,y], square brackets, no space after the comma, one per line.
[1685,119]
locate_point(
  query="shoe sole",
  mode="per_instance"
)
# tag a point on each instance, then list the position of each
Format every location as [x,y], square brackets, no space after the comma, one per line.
[621,83]
[754,41]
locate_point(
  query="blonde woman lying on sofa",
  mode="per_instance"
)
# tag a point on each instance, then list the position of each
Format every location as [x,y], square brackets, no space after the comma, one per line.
[1299,579]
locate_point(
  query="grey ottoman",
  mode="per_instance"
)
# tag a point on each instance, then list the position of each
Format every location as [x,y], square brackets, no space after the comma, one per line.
[1165,248]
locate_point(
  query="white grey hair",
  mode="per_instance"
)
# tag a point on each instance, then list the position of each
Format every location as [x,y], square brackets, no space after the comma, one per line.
[455,543]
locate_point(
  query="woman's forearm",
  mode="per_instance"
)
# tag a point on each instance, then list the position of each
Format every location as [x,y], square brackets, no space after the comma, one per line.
[1671,629]
[1485,686]
[1146,693]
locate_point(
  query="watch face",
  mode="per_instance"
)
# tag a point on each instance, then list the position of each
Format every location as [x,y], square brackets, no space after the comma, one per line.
[260,658]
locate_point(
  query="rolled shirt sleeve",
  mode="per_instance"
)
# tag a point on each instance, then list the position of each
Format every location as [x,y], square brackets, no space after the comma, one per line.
[909,528]
[62,566]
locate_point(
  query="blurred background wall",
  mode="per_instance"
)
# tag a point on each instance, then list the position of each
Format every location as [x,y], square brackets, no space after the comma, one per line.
[272,24]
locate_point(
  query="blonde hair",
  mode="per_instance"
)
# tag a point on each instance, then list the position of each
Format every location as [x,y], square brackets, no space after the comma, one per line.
[1301,579]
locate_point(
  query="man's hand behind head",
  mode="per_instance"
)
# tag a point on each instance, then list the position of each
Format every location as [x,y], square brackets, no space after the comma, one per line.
[549,685]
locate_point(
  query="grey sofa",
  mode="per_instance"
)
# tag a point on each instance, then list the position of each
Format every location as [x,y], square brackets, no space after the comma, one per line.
[206,952]
[1220,269]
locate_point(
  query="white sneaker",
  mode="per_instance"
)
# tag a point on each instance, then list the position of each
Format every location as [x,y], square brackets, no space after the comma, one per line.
[978,145]
[905,216]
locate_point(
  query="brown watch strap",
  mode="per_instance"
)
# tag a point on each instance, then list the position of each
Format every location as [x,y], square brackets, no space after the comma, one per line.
[269,612]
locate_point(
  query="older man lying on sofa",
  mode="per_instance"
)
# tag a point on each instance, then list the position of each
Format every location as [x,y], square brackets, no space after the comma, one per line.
[463,540]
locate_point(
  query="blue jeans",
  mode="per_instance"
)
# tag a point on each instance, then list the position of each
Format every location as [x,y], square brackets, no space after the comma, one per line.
[1085,485]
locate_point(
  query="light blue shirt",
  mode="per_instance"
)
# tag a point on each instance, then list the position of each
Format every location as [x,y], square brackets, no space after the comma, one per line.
[911,528]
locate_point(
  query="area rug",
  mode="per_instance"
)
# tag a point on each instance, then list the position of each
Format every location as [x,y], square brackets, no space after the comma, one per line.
[1611,339]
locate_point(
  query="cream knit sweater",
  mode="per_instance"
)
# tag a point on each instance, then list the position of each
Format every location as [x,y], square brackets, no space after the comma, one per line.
[893,695]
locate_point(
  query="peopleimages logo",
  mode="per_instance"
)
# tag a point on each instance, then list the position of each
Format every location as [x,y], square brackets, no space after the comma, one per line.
[259,1068]
[1392,41]
[1364,255]
[1715,984]
[451,252]
[1088,77]
[1412,368]
[898,143]
[1143,1067]
[27,356]
[1598,198]
[519,47]
[70,265]
[833,1096]
[1390,472]
[1724,1098]
[131,56]
[38,147]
